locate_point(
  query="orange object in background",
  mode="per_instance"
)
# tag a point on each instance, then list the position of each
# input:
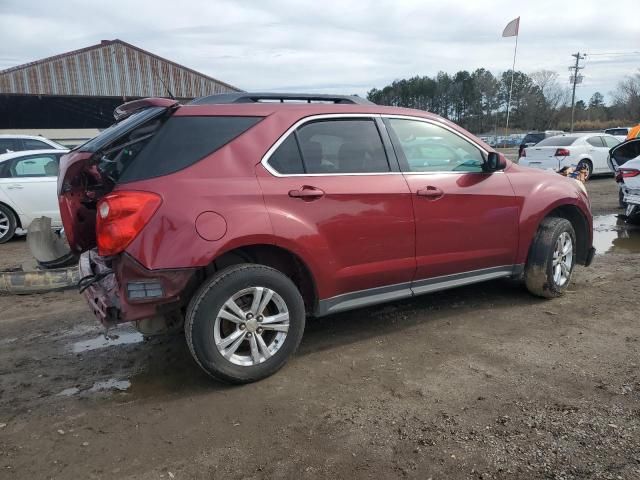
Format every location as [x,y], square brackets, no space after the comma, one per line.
[634,132]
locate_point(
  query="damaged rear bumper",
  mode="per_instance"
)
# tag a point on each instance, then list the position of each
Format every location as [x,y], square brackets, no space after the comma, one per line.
[121,290]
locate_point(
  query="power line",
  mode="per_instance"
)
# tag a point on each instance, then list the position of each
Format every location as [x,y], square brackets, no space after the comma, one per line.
[575,78]
[614,53]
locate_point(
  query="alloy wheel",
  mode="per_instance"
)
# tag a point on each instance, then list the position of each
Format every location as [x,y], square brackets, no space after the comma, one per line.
[251,326]
[562,259]
[5,224]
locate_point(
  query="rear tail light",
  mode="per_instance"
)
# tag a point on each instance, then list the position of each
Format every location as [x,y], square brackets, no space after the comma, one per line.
[562,152]
[524,153]
[629,172]
[618,176]
[120,218]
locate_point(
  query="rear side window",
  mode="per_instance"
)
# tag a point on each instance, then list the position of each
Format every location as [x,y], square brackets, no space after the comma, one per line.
[332,147]
[34,166]
[287,160]
[7,145]
[557,142]
[183,141]
[611,141]
[595,141]
[30,144]
[342,146]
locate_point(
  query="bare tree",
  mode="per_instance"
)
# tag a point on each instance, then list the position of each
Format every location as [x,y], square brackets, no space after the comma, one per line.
[553,94]
[627,96]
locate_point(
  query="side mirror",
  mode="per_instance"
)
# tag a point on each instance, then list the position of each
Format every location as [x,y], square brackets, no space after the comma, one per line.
[495,162]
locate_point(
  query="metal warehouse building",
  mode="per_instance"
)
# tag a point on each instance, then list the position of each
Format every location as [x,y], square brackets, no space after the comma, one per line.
[80,89]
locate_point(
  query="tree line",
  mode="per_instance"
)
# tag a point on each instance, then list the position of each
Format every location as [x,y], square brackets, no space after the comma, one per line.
[478,100]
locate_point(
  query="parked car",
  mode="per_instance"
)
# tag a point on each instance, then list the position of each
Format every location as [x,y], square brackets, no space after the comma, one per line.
[28,189]
[624,160]
[19,143]
[619,132]
[533,138]
[575,150]
[245,216]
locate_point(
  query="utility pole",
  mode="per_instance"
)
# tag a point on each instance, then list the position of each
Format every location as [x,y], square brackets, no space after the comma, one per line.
[575,78]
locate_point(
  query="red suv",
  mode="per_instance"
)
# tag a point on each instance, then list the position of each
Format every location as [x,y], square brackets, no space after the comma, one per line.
[240,215]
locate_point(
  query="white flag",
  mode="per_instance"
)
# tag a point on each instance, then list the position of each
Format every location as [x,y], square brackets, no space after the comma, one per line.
[511,30]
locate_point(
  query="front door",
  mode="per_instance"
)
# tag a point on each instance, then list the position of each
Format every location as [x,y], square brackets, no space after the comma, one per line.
[331,190]
[598,151]
[466,219]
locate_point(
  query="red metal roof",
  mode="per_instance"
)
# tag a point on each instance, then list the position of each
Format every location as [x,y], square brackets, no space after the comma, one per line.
[112,68]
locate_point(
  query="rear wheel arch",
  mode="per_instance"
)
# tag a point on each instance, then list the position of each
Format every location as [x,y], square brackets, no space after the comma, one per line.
[277,258]
[15,214]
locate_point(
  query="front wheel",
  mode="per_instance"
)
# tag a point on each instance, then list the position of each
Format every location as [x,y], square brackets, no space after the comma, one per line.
[244,323]
[552,257]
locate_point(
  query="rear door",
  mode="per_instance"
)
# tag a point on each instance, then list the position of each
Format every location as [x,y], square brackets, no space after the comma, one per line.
[331,190]
[598,152]
[466,219]
[30,183]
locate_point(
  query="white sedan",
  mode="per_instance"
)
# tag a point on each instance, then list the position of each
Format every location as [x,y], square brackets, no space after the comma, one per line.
[625,161]
[28,182]
[571,150]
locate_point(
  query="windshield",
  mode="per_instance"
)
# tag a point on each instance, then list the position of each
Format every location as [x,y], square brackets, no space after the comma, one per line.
[616,131]
[557,142]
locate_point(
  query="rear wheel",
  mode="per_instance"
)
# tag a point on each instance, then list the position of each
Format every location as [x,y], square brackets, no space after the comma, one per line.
[586,164]
[8,223]
[551,258]
[244,323]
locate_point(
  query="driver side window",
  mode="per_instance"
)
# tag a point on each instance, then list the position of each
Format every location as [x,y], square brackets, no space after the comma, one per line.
[430,148]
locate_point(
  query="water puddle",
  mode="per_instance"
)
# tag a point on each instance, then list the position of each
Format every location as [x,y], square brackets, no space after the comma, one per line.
[111,384]
[114,338]
[612,234]
[69,392]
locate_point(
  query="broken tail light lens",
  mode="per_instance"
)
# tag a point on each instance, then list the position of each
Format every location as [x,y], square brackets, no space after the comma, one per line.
[562,152]
[120,218]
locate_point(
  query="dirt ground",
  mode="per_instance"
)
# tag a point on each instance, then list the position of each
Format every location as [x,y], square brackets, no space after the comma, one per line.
[478,382]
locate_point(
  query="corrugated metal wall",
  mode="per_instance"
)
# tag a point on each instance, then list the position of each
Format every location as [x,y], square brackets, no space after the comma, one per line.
[110,69]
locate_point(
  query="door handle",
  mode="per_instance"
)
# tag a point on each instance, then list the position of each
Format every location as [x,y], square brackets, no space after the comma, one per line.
[15,187]
[430,192]
[307,193]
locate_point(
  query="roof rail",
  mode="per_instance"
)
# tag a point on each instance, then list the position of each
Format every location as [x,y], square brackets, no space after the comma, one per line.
[225,98]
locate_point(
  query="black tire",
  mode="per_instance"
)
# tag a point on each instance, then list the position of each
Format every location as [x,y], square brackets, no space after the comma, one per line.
[209,300]
[7,218]
[586,163]
[539,270]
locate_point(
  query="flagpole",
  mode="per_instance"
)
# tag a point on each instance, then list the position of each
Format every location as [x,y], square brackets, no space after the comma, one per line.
[513,71]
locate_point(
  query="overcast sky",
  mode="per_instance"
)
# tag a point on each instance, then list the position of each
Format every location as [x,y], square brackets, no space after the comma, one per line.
[336,46]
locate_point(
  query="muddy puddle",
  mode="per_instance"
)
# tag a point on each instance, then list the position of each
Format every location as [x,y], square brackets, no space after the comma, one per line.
[611,234]
[126,337]
[157,367]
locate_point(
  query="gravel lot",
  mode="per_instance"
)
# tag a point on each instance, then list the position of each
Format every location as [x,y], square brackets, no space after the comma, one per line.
[479,382]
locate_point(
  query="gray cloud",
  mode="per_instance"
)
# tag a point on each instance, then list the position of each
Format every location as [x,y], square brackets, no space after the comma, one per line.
[333,46]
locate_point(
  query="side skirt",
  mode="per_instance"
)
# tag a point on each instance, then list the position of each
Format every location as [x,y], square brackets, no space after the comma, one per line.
[374,296]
